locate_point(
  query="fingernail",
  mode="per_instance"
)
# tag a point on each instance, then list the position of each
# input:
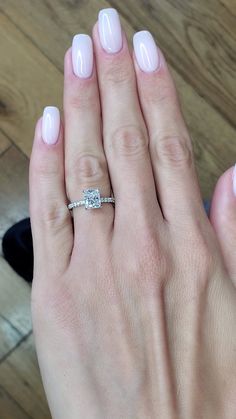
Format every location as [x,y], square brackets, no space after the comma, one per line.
[146,52]
[82,55]
[109,28]
[50,124]
[234,180]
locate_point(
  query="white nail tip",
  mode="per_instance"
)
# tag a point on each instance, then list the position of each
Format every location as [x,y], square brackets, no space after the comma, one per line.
[50,124]
[82,55]
[110,32]
[146,51]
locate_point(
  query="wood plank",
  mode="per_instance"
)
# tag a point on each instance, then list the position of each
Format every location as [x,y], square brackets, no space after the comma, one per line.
[14,299]
[19,375]
[4,141]
[213,138]
[204,54]
[14,188]
[9,337]
[9,409]
[26,87]
[43,22]
[198,38]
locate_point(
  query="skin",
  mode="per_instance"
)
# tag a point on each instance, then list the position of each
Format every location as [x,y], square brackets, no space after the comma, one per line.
[134,307]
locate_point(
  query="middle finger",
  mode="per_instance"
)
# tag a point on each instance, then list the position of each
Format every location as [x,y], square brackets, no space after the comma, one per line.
[124,131]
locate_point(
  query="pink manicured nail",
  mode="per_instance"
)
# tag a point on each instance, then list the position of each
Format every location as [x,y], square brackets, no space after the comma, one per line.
[146,51]
[109,28]
[50,124]
[82,55]
[234,180]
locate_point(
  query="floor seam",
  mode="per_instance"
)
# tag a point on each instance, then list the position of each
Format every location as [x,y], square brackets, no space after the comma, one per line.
[24,338]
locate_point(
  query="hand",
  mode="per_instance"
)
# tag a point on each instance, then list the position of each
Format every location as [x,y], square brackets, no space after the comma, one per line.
[134,306]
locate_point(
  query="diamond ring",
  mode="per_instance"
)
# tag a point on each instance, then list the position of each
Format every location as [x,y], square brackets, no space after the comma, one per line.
[92,199]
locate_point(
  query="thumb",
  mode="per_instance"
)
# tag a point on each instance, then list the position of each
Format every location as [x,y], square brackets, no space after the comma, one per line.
[223,218]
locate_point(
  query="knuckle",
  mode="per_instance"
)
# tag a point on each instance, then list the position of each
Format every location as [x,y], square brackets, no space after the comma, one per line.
[43,168]
[152,262]
[54,216]
[173,149]
[87,167]
[201,260]
[83,102]
[118,73]
[129,141]
[203,257]
[83,99]
[154,255]
[160,93]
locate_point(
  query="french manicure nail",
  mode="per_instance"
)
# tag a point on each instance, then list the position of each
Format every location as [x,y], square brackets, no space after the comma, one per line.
[50,124]
[234,180]
[146,52]
[82,55]
[109,28]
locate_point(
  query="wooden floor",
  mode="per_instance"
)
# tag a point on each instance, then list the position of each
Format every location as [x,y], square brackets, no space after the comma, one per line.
[198,38]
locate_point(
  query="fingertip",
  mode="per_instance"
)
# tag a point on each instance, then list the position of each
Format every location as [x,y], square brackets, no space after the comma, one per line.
[151,64]
[37,140]
[67,58]
[52,139]
[223,217]
[69,76]
[38,128]
[224,197]
[234,180]
[101,52]
[96,40]
[95,29]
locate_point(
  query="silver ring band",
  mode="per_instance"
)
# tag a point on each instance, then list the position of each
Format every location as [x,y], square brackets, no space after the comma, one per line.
[81,203]
[92,200]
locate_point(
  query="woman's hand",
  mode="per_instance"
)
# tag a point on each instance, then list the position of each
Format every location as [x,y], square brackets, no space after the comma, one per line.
[134,306]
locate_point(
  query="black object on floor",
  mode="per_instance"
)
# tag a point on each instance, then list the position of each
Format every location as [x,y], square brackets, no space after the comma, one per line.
[17,248]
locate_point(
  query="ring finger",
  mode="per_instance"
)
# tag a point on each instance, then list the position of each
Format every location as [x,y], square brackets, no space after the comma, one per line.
[85,162]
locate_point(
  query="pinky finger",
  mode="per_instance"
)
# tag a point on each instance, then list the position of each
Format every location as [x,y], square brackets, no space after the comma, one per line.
[50,219]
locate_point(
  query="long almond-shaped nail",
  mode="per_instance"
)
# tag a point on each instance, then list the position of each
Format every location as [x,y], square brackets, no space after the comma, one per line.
[234,180]
[50,124]
[110,32]
[82,55]
[146,52]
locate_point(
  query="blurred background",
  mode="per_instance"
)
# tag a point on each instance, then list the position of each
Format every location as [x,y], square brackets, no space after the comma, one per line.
[198,38]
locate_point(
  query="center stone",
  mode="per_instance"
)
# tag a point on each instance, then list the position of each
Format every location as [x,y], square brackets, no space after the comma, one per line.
[92,198]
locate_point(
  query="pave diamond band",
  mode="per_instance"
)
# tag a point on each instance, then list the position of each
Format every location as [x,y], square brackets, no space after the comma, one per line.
[81,203]
[92,200]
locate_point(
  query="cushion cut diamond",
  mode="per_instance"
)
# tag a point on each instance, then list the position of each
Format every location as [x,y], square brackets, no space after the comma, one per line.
[92,198]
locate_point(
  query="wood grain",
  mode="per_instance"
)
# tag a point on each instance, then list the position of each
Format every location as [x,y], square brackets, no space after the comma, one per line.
[4,142]
[19,375]
[14,299]
[9,337]
[203,53]
[9,408]
[28,82]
